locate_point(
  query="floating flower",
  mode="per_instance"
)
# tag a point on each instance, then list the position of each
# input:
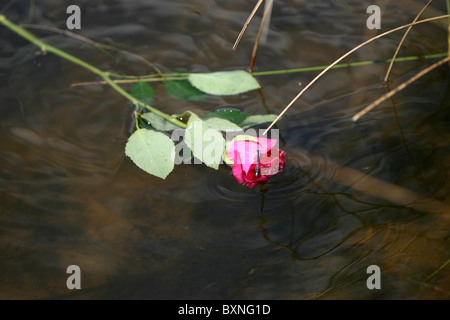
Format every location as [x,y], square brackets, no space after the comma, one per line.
[253,159]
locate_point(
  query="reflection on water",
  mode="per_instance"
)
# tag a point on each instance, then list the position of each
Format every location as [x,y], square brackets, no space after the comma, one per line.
[69,196]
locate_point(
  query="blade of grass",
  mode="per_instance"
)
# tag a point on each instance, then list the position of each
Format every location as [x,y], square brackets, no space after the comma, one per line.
[402,86]
[341,58]
[386,78]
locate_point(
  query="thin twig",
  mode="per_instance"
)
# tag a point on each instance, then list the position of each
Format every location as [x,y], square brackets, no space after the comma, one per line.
[136,79]
[438,270]
[6,7]
[386,78]
[265,31]
[341,58]
[92,43]
[399,88]
[244,28]
[268,11]
[105,75]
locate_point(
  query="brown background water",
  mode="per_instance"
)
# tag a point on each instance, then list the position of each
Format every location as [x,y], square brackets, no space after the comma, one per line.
[69,196]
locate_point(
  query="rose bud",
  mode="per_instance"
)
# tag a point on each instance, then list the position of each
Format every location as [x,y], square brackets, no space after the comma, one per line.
[253,159]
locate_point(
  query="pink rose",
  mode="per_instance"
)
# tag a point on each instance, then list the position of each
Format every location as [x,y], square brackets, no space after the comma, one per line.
[242,156]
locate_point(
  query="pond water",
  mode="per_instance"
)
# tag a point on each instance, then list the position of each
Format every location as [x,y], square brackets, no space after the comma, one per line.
[69,196]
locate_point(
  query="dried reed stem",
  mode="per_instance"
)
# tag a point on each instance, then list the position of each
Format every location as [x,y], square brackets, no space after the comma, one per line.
[341,58]
[386,78]
[244,28]
[402,86]
[267,12]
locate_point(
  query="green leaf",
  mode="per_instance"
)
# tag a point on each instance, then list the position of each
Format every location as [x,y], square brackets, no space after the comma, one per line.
[207,144]
[143,92]
[224,82]
[152,151]
[229,113]
[183,90]
[158,122]
[222,124]
[255,120]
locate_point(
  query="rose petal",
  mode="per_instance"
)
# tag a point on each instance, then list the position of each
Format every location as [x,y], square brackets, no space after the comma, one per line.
[271,165]
[247,153]
[266,144]
[250,179]
[248,150]
[243,154]
[238,173]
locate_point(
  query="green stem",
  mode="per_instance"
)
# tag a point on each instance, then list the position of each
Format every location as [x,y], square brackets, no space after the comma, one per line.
[184,76]
[105,75]
[346,65]
[167,77]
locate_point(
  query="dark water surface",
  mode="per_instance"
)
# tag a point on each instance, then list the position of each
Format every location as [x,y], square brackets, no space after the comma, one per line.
[68,196]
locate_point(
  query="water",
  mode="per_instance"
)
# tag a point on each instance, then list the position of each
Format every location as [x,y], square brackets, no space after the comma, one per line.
[69,196]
